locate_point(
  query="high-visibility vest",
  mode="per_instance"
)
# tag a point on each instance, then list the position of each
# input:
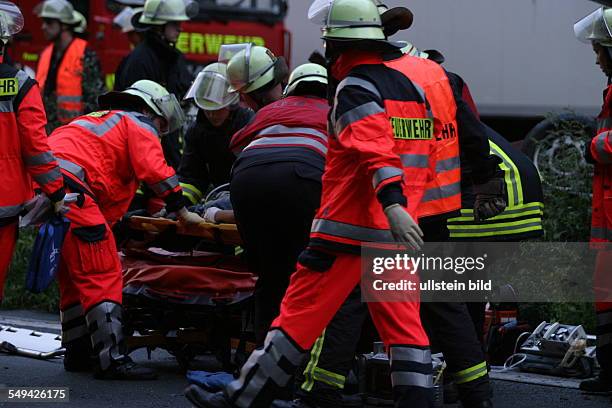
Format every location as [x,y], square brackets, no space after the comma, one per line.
[69,85]
[443,193]
[522,217]
[382,134]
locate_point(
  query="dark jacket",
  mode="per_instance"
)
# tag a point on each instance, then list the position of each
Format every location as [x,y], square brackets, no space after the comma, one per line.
[156,60]
[207,159]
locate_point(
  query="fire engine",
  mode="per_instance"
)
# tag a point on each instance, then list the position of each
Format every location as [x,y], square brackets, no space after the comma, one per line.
[218,22]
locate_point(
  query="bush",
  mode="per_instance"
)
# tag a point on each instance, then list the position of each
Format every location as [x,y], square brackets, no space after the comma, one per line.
[566,181]
[15,294]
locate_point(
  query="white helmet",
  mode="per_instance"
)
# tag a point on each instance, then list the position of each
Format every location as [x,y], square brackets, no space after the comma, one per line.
[156,97]
[306,73]
[596,27]
[160,12]
[124,19]
[210,89]
[60,10]
[11,20]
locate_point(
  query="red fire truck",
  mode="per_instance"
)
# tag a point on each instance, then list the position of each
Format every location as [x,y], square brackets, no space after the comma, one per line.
[218,22]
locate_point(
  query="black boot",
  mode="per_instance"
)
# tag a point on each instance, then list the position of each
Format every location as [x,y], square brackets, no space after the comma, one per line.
[204,399]
[104,322]
[597,385]
[76,341]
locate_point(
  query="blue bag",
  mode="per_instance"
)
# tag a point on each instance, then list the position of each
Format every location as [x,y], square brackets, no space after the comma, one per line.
[45,257]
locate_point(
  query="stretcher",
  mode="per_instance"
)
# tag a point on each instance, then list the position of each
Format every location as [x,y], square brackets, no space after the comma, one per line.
[187,302]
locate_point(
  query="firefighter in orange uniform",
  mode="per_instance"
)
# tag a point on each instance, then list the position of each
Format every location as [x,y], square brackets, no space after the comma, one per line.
[104,156]
[68,71]
[368,196]
[24,151]
[596,28]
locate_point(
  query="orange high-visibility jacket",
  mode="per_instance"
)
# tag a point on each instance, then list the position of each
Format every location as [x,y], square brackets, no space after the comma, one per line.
[69,88]
[601,150]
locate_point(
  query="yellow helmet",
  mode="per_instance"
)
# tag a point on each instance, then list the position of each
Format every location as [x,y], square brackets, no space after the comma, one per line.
[347,19]
[306,73]
[249,67]
[155,96]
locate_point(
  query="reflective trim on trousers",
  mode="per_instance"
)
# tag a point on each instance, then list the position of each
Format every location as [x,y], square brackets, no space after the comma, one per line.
[470,374]
[355,115]
[385,173]
[439,193]
[294,141]
[315,354]
[165,185]
[264,366]
[104,322]
[354,232]
[285,130]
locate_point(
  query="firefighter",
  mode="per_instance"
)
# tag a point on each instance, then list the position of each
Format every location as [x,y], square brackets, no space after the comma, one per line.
[207,160]
[103,156]
[322,378]
[123,20]
[157,58]
[596,29]
[268,86]
[367,197]
[68,72]
[275,187]
[24,151]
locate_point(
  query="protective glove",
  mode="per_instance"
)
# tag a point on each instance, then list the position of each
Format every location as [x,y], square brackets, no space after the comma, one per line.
[60,207]
[404,229]
[188,217]
[490,199]
[209,215]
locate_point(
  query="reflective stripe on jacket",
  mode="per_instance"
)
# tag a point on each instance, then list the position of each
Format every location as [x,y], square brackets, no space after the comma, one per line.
[111,151]
[443,193]
[24,152]
[382,136]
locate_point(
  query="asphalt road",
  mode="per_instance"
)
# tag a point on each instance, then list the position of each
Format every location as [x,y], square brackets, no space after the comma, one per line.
[85,392]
